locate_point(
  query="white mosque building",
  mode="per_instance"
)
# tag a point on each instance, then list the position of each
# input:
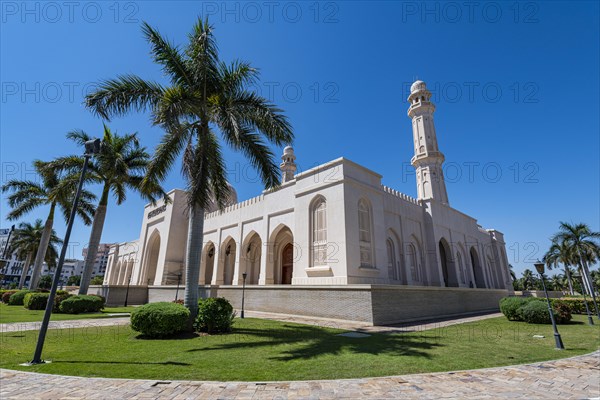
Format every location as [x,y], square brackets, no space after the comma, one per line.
[329,242]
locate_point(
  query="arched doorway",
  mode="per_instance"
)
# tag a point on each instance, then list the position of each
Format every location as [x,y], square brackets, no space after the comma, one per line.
[250,259]
[448,269]
[477,270]
[228,259]
[209,263]
[287,264]
[151,259]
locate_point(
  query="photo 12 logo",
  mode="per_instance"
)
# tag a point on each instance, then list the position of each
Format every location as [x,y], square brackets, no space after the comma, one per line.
[52,12]
[252,12]
[455,12]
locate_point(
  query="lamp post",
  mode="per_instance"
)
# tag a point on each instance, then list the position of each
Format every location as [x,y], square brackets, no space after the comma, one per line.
[127,291]
[539,266]
[587,309]
[91,147]
[244,275]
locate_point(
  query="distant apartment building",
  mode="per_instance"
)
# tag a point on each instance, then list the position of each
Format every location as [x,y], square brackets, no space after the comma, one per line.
[10,265]
[101,259]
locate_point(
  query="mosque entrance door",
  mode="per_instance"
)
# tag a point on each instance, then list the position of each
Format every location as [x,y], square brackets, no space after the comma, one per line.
[287,264]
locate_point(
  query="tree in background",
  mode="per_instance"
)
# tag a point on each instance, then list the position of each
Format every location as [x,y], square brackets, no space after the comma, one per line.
[55,190]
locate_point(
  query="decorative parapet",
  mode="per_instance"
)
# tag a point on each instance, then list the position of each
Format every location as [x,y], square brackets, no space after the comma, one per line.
[400,195]
[234,207]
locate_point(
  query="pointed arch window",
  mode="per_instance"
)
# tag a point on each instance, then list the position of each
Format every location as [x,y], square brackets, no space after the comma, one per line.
[414,266]
[319,232]
[365,234]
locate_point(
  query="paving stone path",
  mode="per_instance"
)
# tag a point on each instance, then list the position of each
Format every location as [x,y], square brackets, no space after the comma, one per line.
[571,378]
[67,324]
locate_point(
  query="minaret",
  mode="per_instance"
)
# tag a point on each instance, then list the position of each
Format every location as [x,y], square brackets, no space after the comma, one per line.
[288,165]
[427,159]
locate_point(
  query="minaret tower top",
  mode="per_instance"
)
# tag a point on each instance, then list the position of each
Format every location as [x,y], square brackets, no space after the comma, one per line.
[428,159]
[288,164]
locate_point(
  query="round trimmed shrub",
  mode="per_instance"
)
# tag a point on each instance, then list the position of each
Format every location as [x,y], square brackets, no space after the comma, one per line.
[81,304]
[36,301]
[511,306]
[16,299]
[562,311]
[536,312]
[215,315]
[6,295]
[60,296]
[159,320]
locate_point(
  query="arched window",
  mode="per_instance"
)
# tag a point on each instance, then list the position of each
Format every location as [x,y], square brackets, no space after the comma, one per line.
[414,266]
[461,268]
[391,253]
[319,232]
[364,234]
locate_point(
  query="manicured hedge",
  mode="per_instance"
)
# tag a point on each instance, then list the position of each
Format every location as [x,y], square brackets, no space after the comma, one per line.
[159,320]
[6,295]
[17,298]
[577,306]
[36,301]
[534,310]
[60,296]
[215,315]
[81,304]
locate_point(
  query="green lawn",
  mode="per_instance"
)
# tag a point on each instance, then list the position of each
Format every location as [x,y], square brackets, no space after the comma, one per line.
[21,314]
[260,350]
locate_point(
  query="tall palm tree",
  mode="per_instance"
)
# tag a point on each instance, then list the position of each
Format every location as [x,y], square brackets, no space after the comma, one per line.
[561,252]
[206,96]
[55,190]
[584,244]
[25,243]
[120,165]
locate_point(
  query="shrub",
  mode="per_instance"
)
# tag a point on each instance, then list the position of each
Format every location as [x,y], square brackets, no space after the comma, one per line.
[215,315]
[511,306]
[61,295]
[562,311]
[81,304]
[101,298]
[74,280]
[577,306]
[536,312]
[17,298]
[97,280]
[161,319]
[36,301]
[178,301]
[6,295]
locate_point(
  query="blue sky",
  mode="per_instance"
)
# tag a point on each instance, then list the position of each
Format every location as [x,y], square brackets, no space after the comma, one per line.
[516,87]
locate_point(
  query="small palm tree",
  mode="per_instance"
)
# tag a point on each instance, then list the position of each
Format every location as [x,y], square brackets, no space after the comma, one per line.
[557,282]
[561,252]
[528,280]
[54,190]
[119,166]
[206,96]
[25,243]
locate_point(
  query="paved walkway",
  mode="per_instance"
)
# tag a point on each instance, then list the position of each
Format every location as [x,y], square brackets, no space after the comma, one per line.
[571,378]
[67,324]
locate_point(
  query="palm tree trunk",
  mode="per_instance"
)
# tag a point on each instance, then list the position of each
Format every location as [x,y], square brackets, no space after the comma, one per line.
[95,236]
[25,270]
[41,253]
[192,260]
[588,281]
[569,280]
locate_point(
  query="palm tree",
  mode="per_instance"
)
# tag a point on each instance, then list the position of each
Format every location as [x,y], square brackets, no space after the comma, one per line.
[26,241]
[206,96]
[119,166]
[561,252]
[585,248]
[54,190]
[528,280]
[557,282]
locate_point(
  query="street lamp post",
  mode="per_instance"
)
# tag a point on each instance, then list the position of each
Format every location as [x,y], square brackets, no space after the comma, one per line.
[91,147]
[244,275]
[539,266]
[587,308]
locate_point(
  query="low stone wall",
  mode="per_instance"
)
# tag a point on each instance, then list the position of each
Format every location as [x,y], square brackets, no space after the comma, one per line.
[553,294]
[396,304]
[370,304]
[115,294]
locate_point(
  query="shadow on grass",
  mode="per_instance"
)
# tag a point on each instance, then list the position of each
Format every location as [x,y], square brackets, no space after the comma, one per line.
[310,341]
[178,336]
[166,363]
